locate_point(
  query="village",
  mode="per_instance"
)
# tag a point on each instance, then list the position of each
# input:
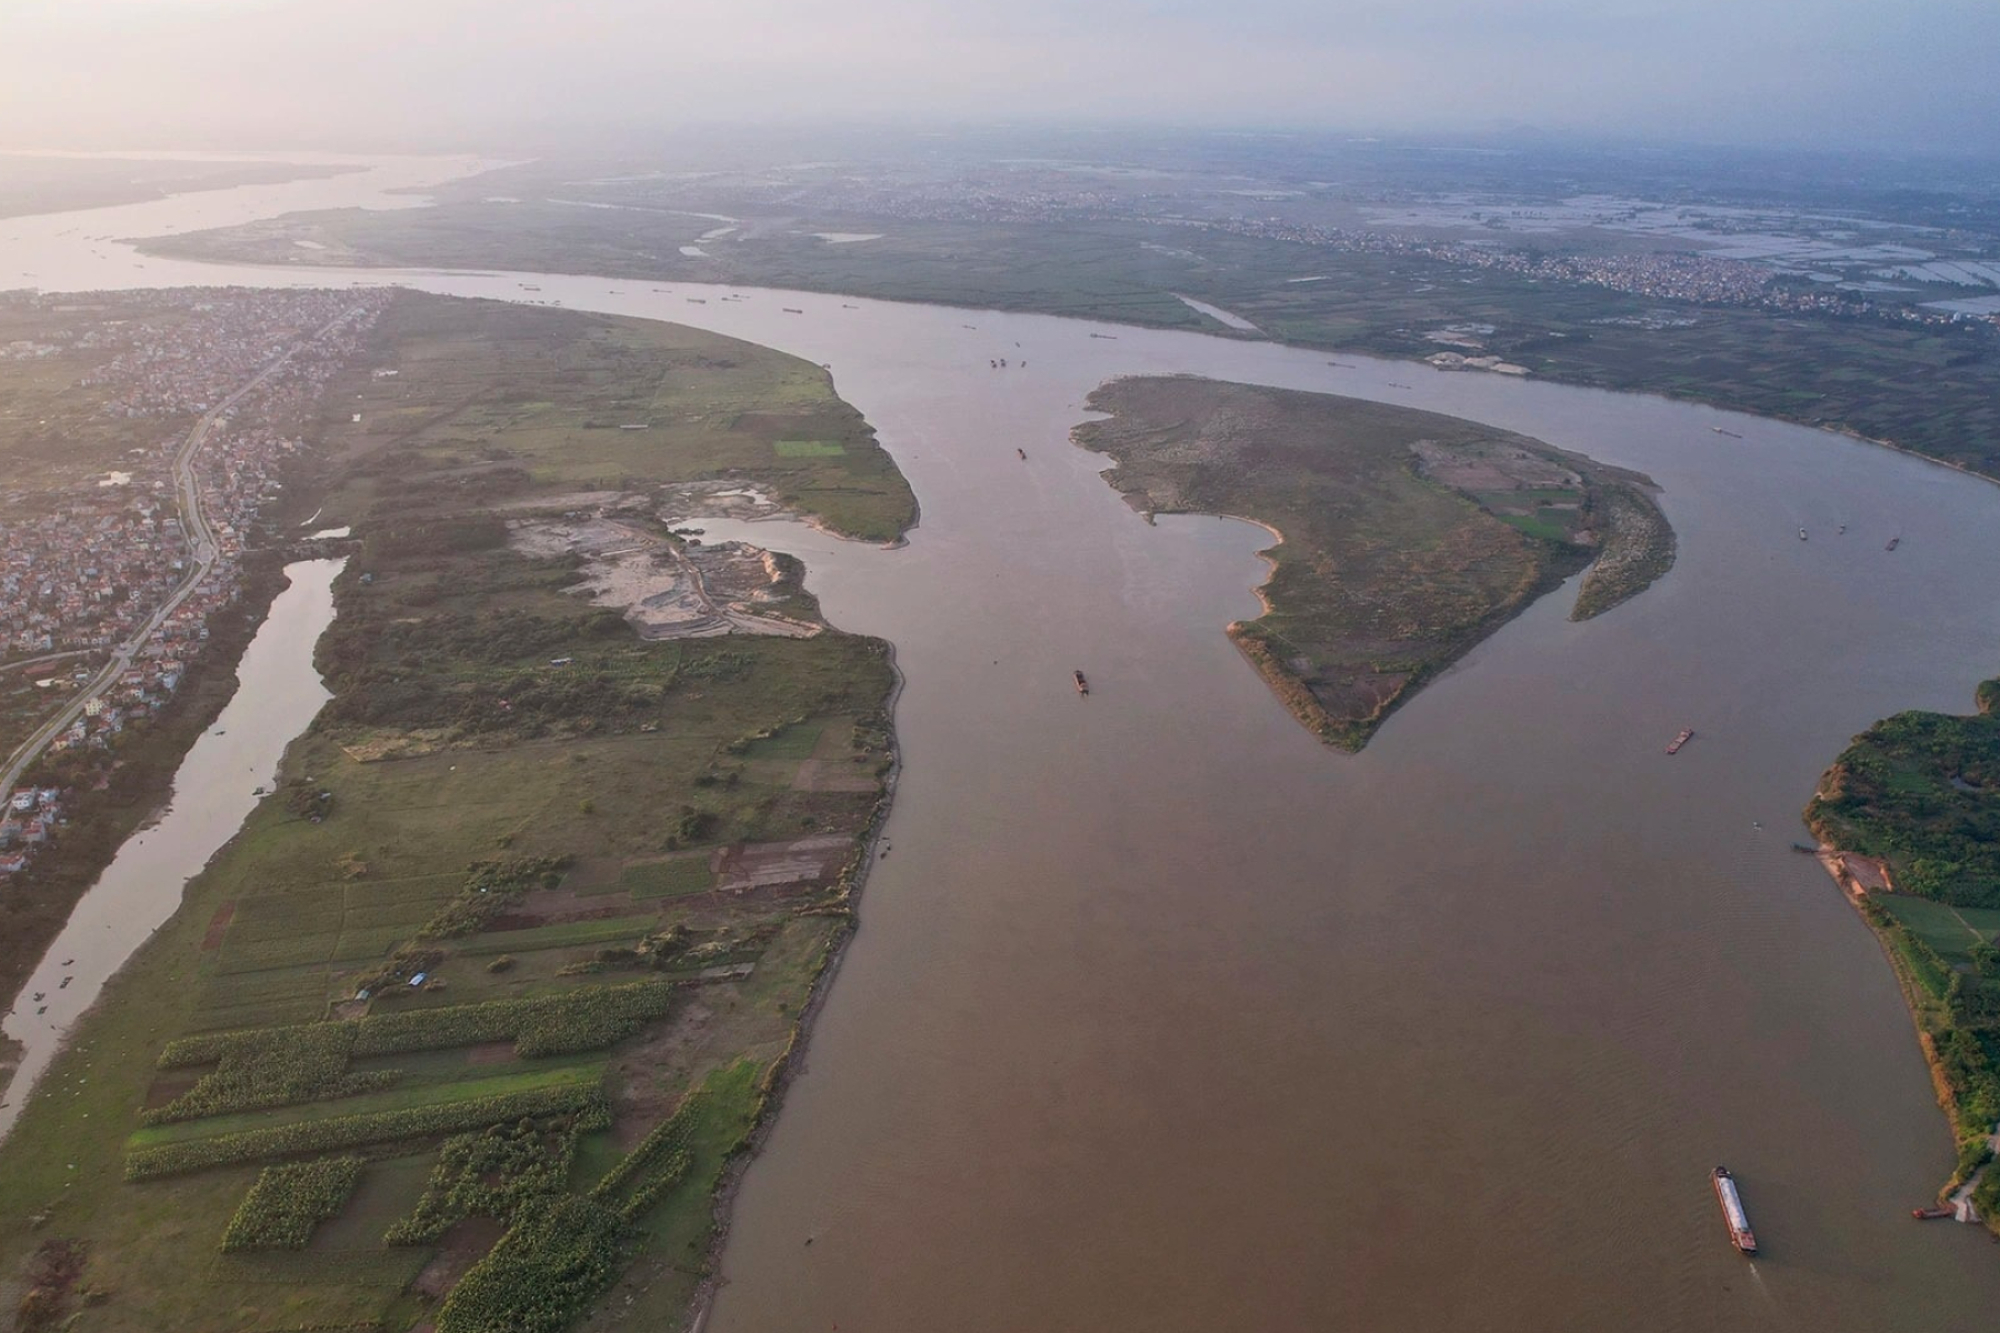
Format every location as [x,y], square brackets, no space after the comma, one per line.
[105,572]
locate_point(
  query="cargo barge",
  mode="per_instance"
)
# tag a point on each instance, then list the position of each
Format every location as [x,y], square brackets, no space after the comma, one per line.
[1674,745]
[1732,1210]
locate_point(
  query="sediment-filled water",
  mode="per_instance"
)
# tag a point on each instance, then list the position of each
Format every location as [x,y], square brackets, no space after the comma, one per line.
[1163,1016]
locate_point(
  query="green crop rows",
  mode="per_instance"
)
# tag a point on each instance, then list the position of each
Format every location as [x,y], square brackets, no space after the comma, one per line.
[274,1067]
[489,1174]
[579,1020]
[354,1131]
[287,1202]
[554,1260]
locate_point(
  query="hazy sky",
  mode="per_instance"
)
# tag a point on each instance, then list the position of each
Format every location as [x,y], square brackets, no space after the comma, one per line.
[500,73]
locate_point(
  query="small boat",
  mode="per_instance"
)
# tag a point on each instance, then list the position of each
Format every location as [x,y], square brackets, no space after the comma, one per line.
[1674,745]
[1021,451]
[1802,534]
[1740,1233]
[1894,542]
[1082,685]
[1932,1214]
[1730,434]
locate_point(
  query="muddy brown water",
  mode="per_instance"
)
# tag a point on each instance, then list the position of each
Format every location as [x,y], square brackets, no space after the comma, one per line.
[1164,1016]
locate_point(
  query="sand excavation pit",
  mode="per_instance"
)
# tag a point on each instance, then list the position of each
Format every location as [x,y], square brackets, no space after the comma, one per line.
[815,861]
[669,588]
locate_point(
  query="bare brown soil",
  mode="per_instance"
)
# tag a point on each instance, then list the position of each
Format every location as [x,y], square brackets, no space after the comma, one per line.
[767,864]
[463,1246]
[649,1075]
[218,926]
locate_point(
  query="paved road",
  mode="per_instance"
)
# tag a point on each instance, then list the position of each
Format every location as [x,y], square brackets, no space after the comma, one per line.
[201,538]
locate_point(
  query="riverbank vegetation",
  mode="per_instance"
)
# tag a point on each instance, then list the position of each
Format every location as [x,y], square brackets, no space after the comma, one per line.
[1406,536]
[1930,388]
[1918,794]
[534,894]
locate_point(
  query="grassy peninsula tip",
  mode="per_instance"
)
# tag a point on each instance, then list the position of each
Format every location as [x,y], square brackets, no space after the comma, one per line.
[1406,537]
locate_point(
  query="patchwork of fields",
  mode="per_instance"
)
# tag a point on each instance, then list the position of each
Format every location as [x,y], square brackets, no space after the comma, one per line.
[472,1016]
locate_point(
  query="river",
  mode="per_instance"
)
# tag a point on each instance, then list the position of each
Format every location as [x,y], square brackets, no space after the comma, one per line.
[1164,1016]
[278,693]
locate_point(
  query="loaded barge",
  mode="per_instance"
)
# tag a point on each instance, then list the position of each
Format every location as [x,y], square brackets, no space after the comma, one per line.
[1674,745]
[1082,685]
[1732,1210]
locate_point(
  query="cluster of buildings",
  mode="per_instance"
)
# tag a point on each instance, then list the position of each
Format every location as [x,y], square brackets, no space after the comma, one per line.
[86,575]
[25,823]
[101,570]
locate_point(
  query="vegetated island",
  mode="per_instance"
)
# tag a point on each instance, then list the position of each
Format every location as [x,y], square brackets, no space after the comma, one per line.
[1930,389]
[1909,823]
[1405,537]
[472,1018]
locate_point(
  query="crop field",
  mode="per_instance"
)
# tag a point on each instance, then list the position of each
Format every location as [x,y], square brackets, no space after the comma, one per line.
[467,956]
[1951,931]
[809,448]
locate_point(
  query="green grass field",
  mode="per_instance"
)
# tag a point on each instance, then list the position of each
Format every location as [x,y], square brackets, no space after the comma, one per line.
[809,448]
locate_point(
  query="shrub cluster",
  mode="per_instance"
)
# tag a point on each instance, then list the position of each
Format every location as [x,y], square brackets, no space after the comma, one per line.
[355,1131]
[489,889]
[265,1068]
[559,1254]
[490,1174]
[287,1202]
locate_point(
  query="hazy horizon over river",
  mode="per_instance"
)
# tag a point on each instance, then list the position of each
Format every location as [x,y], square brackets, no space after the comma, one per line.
[1164,1016]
